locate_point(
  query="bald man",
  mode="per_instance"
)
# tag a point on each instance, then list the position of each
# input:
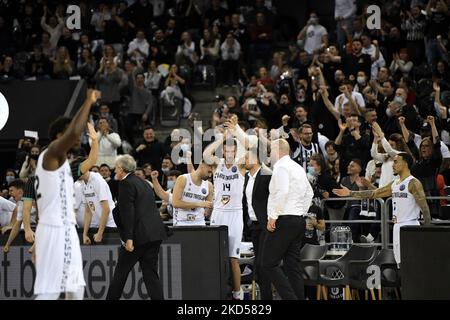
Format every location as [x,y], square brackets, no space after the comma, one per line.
[289,200]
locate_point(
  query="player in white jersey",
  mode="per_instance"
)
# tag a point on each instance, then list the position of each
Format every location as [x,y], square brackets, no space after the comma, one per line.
[229,177]
[192,197]
[408,198]
[59,265]
[99,204]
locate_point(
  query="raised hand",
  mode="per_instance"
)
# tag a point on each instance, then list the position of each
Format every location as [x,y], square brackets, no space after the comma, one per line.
[154,174]
[343,192]
[91,131]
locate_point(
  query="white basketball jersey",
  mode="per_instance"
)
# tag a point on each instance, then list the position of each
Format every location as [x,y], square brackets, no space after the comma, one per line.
[95,191]
[228,187]
[404,206]
[192,193]
[55,195]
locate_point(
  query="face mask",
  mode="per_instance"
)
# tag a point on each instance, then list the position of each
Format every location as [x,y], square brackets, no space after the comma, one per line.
[388,112]
[165,170]
[311,171]
[9,179]
[104,115]
[377,181]
[34,156]
[361,80]
[399,100]
[170,184]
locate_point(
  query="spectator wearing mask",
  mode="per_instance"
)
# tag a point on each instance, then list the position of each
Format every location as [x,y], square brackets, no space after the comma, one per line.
[166,166]
[29,165]
[108,143]
[10,176]
[150,150]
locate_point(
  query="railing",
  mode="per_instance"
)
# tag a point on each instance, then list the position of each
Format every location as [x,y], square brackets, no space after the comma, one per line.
[381,222]
[385,220]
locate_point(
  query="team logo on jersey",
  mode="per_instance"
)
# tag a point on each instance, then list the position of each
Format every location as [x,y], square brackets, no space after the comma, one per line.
[402,187]
[204,191]
[234,169]
[225,199]
[237,250]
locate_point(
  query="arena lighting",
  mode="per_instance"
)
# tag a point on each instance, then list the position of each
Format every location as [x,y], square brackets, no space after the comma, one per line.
[4,111]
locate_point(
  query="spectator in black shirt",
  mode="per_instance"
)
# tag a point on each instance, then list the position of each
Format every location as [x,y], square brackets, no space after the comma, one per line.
[438,23]
[150,150]
[357,61]
[351,143]
[139,16]
[38,64]
[159,48]
[67,41]
[216,14]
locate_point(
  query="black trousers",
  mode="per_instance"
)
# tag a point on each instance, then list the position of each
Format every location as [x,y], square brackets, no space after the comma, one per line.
[259,235]
[285,244]
[147,256]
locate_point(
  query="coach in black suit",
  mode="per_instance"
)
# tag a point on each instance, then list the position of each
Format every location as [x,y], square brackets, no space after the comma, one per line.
[141,231]
[256,186]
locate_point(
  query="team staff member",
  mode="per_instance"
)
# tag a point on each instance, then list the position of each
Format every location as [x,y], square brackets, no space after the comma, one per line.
[286,209]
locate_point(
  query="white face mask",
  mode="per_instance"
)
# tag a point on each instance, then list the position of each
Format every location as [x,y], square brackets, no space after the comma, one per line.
[389,112]
[165,170]
[399,100]
[361,80]
[170,184]
[311,171]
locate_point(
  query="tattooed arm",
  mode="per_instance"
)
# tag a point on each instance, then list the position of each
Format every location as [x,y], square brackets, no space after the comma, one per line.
[416,188]
[383,192]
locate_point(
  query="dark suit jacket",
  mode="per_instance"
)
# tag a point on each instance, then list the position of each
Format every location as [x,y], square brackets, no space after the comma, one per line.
[136,214]
[260,196]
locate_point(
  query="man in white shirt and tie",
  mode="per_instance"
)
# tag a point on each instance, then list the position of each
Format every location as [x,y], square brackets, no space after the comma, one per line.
[289,199]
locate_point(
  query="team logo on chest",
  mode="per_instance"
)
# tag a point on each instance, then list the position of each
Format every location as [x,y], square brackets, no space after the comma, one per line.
[225,199]
[203,190]
[234,169]
[402,187]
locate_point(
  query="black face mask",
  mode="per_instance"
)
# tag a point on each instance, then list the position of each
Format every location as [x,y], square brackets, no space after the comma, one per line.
[34,156]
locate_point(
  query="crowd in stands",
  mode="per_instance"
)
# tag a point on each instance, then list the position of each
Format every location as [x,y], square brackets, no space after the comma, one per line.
[348,99]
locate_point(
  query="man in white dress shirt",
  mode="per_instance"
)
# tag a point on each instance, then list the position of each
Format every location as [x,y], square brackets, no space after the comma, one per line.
[289,200]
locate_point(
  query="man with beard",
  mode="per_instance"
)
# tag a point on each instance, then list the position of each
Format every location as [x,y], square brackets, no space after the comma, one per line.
[192,197]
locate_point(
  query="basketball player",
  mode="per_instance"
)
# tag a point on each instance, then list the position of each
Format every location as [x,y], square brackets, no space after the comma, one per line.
[229,180]
[99,204]
[408,198]
[59,266]
[192,197]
